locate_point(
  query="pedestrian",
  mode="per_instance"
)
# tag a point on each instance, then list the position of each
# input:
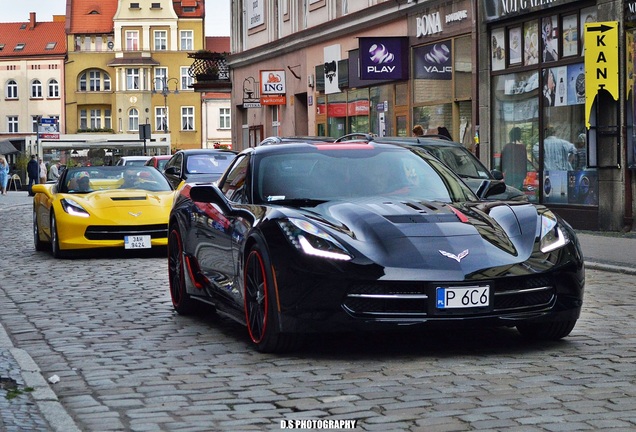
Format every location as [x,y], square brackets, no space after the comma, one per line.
[43,171]
[442,131]
[4,175]
[558,154]
[54,171]
[33,171]
[514,159]
[418,131]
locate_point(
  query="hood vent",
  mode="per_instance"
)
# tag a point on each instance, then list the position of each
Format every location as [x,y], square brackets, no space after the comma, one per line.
[140,198]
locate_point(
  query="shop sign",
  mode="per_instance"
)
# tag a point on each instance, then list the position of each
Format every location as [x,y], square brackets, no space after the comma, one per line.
[273,82]
[428,24]
[630,11]
[601,61]
[383,58]
[251,97]
[433,61]
[497,9]
[255,13]
[48,128]
[274,100]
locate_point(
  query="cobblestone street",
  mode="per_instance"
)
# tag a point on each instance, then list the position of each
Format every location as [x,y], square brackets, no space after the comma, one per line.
[127,362]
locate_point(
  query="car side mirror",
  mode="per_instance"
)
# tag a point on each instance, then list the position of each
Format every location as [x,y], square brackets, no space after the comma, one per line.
[497,175]
[210,194]
[172,171]
[488,188]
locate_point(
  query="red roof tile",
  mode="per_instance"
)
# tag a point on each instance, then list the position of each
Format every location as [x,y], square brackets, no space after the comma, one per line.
[36,37]
[199,11]
[90,16]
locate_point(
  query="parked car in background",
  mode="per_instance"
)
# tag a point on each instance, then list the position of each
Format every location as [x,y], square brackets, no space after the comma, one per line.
[132,160]
[158,162]
[281,140]
[321,237]
[197,165]
[455,156]
[101,207]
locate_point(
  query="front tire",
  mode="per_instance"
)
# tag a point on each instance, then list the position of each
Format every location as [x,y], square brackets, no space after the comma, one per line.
[55,240]
[38,243]
[181,300]
[546,330]
[259,300]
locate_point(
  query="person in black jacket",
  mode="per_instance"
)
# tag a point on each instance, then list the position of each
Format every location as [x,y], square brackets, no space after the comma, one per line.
[33,171]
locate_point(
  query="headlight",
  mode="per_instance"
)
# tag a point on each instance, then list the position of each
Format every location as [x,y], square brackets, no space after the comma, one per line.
[310,239]
[73,208]
[552,236]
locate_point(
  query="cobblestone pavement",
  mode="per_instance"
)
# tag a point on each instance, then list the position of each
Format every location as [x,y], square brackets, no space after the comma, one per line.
[127,362]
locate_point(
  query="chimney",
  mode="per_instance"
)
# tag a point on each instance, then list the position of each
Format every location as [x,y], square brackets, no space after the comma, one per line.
[32,20]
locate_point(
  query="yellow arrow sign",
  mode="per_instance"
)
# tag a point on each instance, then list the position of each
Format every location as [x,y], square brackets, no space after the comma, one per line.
[601,62]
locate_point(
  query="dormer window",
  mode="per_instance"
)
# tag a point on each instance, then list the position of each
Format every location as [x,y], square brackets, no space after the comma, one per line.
[50,46]
[189,9]
[19,47]
[23,26]
[1,47]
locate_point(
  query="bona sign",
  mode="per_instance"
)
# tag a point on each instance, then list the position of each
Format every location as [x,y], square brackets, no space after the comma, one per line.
[272,82]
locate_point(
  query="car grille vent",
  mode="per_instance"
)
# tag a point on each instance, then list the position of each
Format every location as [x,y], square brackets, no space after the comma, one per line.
[139,198]
[420,218]
[109,232]
[523,294]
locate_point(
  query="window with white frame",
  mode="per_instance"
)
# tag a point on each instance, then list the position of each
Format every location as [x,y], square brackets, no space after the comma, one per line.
[133,119]
[187,40]
[83,119]
[96,119]
[53,89]
[12,124]
[224,118]
[187,118]
[161,40]
[12,90]
[108,123]
[36,89]
[186,79]
[132,40]
[94,80]
[161,78]
[132,78]
[161,119]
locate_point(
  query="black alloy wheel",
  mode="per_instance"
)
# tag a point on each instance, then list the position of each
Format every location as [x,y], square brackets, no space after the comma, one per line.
[181,300]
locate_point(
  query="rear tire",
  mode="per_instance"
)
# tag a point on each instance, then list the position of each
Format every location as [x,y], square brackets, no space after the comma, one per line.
[181,300]
[546,330]
[259,300]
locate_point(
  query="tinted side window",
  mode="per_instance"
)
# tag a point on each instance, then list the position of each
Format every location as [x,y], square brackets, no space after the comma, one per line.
[233,186]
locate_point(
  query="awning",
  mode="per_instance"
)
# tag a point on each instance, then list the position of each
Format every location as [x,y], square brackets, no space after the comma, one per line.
[6,148]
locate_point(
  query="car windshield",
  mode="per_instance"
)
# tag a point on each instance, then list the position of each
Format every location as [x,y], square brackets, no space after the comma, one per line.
[354,172]
[208,163]
[460,160]
[98,178]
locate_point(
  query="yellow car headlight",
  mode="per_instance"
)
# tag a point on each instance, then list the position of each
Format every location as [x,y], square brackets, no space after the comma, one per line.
[73,208]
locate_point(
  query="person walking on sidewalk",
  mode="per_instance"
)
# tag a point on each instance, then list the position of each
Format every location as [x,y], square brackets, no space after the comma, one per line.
[43,171]
[4,175]
[33,171]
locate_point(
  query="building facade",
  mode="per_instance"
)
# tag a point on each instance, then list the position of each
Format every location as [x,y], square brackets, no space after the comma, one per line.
[529,74]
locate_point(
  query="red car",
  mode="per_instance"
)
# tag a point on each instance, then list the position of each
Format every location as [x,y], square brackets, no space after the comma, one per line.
[158,162]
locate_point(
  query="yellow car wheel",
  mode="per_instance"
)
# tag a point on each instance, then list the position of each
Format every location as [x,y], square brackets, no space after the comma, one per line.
[39,244]
[55,241]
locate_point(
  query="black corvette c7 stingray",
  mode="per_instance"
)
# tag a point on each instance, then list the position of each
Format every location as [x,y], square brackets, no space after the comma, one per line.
[316,237]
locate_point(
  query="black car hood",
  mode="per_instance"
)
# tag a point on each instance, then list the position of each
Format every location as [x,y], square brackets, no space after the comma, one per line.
[450,237]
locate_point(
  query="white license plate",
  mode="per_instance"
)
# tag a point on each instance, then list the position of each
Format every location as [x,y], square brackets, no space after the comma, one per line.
[463,297]
[137,242]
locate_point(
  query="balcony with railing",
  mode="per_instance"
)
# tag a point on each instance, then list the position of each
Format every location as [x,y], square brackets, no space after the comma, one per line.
[210,71]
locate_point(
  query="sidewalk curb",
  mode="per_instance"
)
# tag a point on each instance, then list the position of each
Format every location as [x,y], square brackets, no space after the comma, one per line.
[609,268]
[49,405]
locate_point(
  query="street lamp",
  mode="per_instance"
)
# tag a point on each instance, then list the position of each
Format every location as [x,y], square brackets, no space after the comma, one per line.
[165,91]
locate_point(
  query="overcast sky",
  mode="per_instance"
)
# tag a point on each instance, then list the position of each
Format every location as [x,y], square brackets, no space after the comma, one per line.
[217,20]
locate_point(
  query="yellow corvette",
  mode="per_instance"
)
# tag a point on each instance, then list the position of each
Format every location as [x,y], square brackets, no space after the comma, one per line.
[102,207]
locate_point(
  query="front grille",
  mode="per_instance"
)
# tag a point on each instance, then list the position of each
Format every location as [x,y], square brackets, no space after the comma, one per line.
[118,232]
[417,300]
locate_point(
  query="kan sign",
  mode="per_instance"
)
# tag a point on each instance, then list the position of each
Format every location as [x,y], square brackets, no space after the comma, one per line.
[273,82]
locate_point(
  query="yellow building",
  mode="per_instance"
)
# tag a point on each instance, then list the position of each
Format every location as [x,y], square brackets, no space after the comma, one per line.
[128,66]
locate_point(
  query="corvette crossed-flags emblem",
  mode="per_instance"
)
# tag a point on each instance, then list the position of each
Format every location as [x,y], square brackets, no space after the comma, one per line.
[458,257]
